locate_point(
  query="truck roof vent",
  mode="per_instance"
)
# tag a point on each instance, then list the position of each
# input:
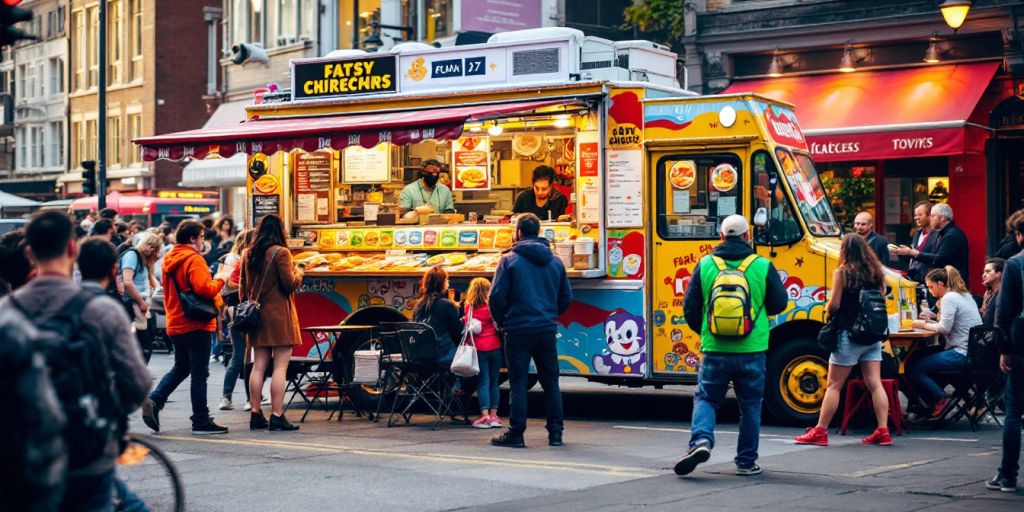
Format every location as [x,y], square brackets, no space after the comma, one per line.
[542,61]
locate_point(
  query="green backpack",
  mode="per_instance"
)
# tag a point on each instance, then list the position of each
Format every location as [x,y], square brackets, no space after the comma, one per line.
[730,313]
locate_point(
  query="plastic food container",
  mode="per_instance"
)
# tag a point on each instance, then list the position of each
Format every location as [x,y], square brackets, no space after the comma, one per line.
[565,251]
[585,245]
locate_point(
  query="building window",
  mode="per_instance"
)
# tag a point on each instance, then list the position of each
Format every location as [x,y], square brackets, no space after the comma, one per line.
[60,20]
[56,75]
[21,148]
[114,41]
[79,51]
[41,73]
[78,138]
[7,81]
[135,131]
[30,85]
[91,142]
[135,12]
[22,92]
[56,158]
[309,12]
[36,144]
[287,22]
[114,141]
[93,47]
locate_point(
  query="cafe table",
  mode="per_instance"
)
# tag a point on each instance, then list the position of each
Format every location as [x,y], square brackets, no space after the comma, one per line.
[339,355]
[903,345]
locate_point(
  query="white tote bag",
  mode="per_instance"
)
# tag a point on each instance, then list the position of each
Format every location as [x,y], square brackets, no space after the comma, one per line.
[466,363]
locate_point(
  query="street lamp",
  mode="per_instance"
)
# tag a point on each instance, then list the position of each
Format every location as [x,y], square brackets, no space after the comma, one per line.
[936,49]
[780,62]
[848,64]
[955,12]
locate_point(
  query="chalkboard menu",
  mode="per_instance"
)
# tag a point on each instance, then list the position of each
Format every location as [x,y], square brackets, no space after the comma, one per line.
[263,205]
[313,186]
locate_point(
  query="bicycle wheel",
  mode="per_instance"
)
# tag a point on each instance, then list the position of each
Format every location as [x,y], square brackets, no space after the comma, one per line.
[148,474]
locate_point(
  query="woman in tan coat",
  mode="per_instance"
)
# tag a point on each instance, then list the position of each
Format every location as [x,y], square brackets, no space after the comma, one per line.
[269,263]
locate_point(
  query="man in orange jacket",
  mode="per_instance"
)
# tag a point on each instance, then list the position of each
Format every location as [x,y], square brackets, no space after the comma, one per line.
[185,270]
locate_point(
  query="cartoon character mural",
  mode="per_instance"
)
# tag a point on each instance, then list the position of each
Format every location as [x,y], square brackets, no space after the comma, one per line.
[398,294]
[805,302]
[627,346]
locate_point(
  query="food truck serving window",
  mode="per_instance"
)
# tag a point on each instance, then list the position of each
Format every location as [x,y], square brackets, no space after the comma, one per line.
[809,193]
[695,192]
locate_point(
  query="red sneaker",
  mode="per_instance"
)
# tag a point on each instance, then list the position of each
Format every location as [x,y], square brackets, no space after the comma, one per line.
[939,407]
[814,435]
[880,437]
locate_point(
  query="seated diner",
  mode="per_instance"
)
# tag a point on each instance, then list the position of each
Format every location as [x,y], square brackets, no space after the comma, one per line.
[958,313]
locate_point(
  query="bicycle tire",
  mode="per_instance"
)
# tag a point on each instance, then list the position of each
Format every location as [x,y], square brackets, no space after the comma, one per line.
[158,456]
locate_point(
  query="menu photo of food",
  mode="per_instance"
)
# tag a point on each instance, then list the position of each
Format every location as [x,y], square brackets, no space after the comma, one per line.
[682,174]
[474,178]
[527,144]
[471,159]
[724,177]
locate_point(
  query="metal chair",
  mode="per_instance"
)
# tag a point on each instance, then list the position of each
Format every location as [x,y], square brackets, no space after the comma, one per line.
[972,397]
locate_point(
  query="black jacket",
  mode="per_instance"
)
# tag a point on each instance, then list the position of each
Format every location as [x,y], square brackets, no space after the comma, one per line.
[1008,247]
[526,202]
[881,248]
[530,289]
[918,269]
[950,248]
[445,320]
[1010,306]
[775,297]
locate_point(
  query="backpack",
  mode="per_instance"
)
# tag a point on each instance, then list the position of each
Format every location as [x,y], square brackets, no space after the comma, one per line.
[120,268]
[730,311]
[79,365]
[32,459]
[872,322]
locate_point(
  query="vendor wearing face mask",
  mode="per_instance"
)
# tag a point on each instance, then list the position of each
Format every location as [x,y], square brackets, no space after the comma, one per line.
[426,191]
[542,200]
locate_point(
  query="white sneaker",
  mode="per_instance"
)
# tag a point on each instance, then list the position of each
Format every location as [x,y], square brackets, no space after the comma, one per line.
[248,406]
[266,401]
[225,404]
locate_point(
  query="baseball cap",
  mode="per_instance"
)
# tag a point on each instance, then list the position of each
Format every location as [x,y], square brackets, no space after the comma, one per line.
[734,225]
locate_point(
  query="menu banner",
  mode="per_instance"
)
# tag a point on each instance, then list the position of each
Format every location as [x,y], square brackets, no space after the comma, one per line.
[429,238]
[471,160]
[263,205]
[313,186]
[337,78]
[624,188]
[363,165]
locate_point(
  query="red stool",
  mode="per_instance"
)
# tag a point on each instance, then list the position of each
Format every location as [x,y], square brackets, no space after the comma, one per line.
[857,397]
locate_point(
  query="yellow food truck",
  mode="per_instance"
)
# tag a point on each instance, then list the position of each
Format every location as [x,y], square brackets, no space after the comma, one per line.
[648,171]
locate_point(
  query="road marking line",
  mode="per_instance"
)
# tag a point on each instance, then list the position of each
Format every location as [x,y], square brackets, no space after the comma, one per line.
[886,469]
[985,454]
[948,439]
[685,430]
[575,467]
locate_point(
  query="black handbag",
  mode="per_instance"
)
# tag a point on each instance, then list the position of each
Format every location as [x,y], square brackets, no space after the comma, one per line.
[193,306]
[828,337]
[247,312]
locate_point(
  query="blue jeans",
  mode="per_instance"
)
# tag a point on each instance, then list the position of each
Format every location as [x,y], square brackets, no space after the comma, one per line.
[235,363]
[93,493]
[746,372]
[191,357]
[541,348]
[924,385]
[129,501]
[1014,398]
[490,367]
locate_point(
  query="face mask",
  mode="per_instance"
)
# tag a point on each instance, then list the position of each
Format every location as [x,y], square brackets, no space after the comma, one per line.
[430,179]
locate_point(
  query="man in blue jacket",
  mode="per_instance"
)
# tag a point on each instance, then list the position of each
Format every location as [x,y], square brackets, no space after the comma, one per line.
[530,290]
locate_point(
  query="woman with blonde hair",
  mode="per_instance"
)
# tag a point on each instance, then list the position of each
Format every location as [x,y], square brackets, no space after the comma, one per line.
[958,313]
[488,348]
[137,283]
[269,277]
[859,269]
[230,272]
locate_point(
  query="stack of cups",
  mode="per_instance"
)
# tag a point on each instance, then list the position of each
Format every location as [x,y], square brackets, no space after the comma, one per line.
[564,251]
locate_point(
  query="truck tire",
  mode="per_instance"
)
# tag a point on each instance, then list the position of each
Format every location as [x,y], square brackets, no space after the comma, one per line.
[795,382]
[367,396]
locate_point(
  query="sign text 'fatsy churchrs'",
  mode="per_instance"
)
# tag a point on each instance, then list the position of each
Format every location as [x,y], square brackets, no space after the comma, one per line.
[333,79]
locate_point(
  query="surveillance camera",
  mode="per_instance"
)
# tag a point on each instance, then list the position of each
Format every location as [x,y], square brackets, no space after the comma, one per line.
[247,53]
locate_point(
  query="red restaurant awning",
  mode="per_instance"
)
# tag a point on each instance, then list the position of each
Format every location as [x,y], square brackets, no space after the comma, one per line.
[337,132]
[884,114]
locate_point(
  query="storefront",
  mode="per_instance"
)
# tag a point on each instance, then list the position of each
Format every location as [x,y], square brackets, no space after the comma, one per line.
[886,140]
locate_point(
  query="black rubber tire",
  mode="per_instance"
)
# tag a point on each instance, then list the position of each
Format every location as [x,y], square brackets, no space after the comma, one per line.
[367,397]
[800,353]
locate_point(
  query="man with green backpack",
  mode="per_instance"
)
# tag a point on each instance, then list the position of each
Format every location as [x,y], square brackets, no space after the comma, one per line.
[731,293]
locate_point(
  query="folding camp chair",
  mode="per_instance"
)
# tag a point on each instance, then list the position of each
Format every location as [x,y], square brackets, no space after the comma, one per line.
[972,397]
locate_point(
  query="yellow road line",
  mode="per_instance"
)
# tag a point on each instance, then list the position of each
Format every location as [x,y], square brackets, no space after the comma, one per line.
[573,467]
[885,469]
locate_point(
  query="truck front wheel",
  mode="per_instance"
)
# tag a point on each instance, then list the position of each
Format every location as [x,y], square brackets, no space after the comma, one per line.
[797,374]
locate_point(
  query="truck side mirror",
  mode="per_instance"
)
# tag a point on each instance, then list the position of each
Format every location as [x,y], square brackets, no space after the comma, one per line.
[761,217]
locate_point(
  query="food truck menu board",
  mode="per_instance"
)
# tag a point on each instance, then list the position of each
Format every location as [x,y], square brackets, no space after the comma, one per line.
[363,165]
[431,237]
[263,205]
[313,186]
[472,159]
[624,186]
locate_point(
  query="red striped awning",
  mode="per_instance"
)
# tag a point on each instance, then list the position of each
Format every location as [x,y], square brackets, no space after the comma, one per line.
[336,132]
[899,113]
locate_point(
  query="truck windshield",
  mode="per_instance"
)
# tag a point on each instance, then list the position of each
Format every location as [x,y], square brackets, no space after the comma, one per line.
[810,196]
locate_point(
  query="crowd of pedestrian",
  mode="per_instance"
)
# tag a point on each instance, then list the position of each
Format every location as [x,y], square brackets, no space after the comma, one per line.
[103,273]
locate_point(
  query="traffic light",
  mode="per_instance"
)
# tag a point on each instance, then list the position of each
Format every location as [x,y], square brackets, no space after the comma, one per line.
[11,15]
[89,177]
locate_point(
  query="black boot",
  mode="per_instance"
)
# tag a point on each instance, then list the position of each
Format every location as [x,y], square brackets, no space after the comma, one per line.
[281,423]
[257,421]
